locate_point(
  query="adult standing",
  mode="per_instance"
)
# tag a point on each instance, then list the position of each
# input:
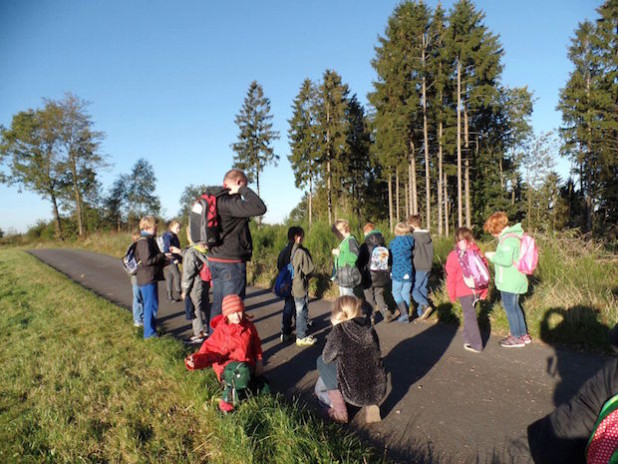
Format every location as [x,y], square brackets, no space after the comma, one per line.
[171,245]
[509,281]
[228,259]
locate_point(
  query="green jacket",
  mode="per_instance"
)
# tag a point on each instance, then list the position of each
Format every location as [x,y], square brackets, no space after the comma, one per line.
[348,252]
[303,268]
[508,278]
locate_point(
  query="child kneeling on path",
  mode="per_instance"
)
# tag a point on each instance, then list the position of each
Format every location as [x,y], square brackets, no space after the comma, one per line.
[234,351]
[458,288]
[350,367]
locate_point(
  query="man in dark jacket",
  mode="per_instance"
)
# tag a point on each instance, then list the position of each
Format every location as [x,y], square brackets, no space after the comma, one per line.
[227,260]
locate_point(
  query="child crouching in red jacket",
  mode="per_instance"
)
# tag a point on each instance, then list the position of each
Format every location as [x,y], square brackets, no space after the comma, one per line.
[234,351]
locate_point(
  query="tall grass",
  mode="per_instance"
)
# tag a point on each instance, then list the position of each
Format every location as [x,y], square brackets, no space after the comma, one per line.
[78,383]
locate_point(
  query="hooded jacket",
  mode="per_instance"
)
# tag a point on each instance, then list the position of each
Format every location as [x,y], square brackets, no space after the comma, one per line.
[229,343]
[508,278]
[150,261]
[235,212]
[423,250]
[355,347]
[376,278]
[303,268]
[401,250]
[191,283]
[455,284]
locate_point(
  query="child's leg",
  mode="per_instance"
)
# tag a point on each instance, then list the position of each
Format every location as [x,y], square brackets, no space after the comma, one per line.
[419,293]
[302,315]
[138,303]
[197,323]
[151,304]
[289,308]
[471,333]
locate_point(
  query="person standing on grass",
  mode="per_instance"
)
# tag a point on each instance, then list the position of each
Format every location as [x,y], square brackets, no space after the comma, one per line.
[234,351]
[196,289]
[138,303]
[509,281]
[350,367]
[347,274]
[149,272]
[457,289]
[401,250]
[423,260]
[228,260]
[303,268]
[374,271]
[171,244]
[289,308]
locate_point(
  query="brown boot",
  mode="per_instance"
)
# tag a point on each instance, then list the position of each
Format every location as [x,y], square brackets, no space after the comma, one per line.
[371,414]
[338,411]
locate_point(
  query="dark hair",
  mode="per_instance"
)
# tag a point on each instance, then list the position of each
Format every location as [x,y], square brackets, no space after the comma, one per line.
[463,233]
[294,232]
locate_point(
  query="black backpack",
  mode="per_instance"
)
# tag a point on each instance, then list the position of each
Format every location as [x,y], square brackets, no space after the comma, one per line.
[204,220]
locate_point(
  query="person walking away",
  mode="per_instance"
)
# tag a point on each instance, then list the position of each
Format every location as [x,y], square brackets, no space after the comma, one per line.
[347,274]
[373,262]
[149,272]
[234,350]
[289,308]
[509,281]
[401,251]
[303,268]
[171,244]
[350,367]
[458,289]
[228,259]
[423,260]
[195,289]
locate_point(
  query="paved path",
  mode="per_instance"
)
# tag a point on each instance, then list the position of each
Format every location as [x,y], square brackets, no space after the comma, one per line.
[444,404]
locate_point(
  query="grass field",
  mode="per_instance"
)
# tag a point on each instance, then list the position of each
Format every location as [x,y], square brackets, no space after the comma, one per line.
[79,384]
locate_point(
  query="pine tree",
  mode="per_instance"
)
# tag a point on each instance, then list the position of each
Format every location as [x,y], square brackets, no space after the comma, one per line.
[253,148]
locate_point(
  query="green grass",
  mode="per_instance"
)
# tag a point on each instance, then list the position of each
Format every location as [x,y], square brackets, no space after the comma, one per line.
[78,383]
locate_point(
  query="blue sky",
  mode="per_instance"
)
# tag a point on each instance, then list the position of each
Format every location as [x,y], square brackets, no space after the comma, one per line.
[167,78]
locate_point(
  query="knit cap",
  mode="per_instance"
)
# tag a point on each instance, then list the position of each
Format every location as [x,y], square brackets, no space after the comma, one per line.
[231,304]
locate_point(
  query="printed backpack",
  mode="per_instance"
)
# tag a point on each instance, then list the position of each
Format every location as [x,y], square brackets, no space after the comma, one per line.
[528,254]
[474,270]
[379,259]
[129,262]
[603,442]
[283,283]
[204,220]
[205,274]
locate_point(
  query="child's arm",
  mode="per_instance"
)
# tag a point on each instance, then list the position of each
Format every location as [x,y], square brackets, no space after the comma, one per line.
[190,272]
[505,253]
[208,354]
[451,267]
[331,349]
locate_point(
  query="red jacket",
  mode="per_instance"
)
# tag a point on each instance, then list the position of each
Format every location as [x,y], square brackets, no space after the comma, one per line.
[228,343]
[455,284]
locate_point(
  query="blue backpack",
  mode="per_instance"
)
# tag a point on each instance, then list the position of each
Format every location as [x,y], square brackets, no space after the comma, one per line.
[283,283]
[129,263]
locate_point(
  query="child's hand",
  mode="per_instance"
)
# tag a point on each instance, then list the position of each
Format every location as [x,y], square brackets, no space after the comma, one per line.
[173,249]
[490,254]
[335,251]
[183,295]
[189,362]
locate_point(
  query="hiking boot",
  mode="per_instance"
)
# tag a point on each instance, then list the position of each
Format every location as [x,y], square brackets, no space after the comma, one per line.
[393,316]
[225,407]
[426,312]
[469,347]
[526,339]
[285,337]
[307,341]
[371,414]
[512,342]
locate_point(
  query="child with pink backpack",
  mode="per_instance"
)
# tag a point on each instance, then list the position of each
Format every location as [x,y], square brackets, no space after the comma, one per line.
[467,280]
[512,267]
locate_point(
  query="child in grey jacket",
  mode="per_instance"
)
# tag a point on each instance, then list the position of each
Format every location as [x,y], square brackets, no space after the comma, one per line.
[423,259]
[303,268]
[196,289]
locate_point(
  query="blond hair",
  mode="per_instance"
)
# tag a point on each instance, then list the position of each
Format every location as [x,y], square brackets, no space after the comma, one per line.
[135,235]
[343,225]
[345,308]
[402,228]
[173,223]
[147,222]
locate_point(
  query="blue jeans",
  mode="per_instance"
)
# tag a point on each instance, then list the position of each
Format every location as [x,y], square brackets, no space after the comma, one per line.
[401,291]
[138,304]
[514,314]
[419,292]
[289,309]
[302,315]
[328,372]
[150,297]
[227,279]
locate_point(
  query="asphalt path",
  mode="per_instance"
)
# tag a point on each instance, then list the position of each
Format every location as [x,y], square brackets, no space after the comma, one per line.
[444,404]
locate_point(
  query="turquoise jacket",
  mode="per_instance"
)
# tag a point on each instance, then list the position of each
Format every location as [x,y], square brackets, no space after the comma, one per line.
[508,278]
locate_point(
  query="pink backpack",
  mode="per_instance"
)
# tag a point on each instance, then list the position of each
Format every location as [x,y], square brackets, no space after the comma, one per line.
[474,269]
[528,253]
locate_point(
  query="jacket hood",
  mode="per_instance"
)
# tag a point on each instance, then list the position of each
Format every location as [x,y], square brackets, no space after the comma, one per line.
[358,330]
[516,229]
[422,236]
[374,238]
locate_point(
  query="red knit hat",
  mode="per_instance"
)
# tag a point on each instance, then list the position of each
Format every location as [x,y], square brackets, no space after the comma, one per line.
[231,304]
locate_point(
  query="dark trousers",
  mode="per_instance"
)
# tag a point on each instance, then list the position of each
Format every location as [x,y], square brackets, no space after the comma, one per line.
[471,332]
[172,279]
[375,297]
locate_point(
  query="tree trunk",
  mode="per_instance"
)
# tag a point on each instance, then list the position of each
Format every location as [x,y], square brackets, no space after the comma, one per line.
[397,193]
[467,192]
[426,140]
[58,224]
[459,202]
[407,198]
[413,176]
[440,179]
[390,201]
[78,201]
[310,200]
[328,188]
[446,206]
